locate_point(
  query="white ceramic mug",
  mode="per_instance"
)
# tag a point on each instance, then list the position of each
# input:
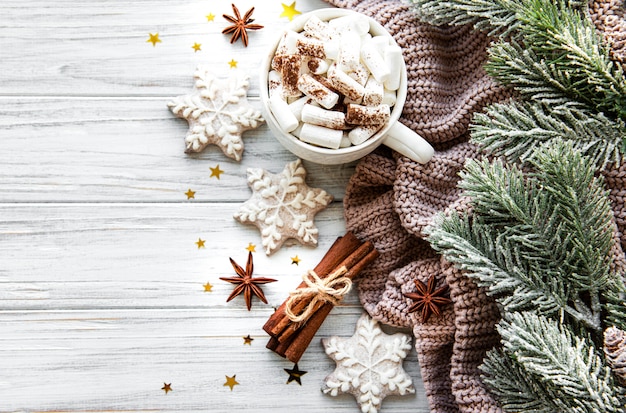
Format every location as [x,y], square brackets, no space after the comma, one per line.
[393,134]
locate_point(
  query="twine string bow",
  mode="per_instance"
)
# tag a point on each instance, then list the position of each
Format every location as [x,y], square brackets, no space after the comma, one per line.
[318,290]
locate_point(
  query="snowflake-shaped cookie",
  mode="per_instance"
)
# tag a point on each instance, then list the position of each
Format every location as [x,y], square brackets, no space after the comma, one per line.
[369,365]
[283,206]
[217,112]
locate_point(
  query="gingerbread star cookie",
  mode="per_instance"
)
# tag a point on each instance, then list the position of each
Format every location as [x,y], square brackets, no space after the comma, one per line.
[369,365]
[283,206]
[218,113]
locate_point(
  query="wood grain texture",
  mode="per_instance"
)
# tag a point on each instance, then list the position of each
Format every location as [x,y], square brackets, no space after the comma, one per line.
[102,296]
[60,149]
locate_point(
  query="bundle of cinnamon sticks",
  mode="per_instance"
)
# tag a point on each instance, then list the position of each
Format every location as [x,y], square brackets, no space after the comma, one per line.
[347,256]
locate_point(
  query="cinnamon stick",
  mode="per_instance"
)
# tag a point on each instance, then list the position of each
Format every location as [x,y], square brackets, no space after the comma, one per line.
[341,248]
[284,329]
[289,339]
[304,336]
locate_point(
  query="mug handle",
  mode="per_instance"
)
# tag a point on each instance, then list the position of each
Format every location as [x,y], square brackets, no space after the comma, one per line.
[403,140]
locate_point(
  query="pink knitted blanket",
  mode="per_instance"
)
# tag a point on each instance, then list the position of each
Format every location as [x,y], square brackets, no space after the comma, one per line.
[390,199]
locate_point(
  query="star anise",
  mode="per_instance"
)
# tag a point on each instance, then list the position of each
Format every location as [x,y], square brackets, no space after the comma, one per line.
[240,25]
[245,283]
[427,299]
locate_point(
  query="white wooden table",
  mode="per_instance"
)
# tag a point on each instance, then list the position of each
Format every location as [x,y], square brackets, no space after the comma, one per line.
[102,285]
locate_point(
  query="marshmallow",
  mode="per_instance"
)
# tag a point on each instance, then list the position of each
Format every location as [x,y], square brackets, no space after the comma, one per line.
[289,68]
[285,118]
[318,29]
[296,107]
[367,115]
[317,66]
[311,47]
[389,97]
[375,62]
[322,117]
[381,43]
[344,83]
[321,136]
[347,101]
[327,61]
[275,83]
[317,91]
[349,48]
[374,91]
[297,131]
[316,48]
[393,59]
[360,74]
[345,141]
[357,24]
[360,134]
[287,43]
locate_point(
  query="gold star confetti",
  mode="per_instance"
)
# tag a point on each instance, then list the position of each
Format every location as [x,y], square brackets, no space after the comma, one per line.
[154,39]
[247,340]
[290,11]
[167,387]
[216,172]
[251,247]
[210,17]
[200,243]
[295,374]
[231,382]
[190,194]
[232,63]
[196,47]
[208,287]
[295,260]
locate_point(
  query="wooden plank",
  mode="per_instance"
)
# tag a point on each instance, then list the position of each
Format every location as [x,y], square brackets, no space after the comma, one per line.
[73,47]
[100,304]
[81,256]
[111,360]
[102,296]
[120,149]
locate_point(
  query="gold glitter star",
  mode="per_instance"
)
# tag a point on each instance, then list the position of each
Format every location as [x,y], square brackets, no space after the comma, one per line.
[232,63]
[167,387]
[154,39]
[190,194]
[251,247]
[200,243]
[216,172]
[290,11]
[231,382]
[196,47]
[208,287]
[295,260]
[295,374]
[247,340]
[210,17]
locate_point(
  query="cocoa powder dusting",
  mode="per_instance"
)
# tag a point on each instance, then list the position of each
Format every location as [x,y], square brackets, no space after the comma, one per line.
[277,62]
[324,81]
[366,115]
[311,49]
[290,72]
[313,64]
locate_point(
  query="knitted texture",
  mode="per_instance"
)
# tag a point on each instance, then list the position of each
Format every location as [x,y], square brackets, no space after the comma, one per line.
[391,199]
